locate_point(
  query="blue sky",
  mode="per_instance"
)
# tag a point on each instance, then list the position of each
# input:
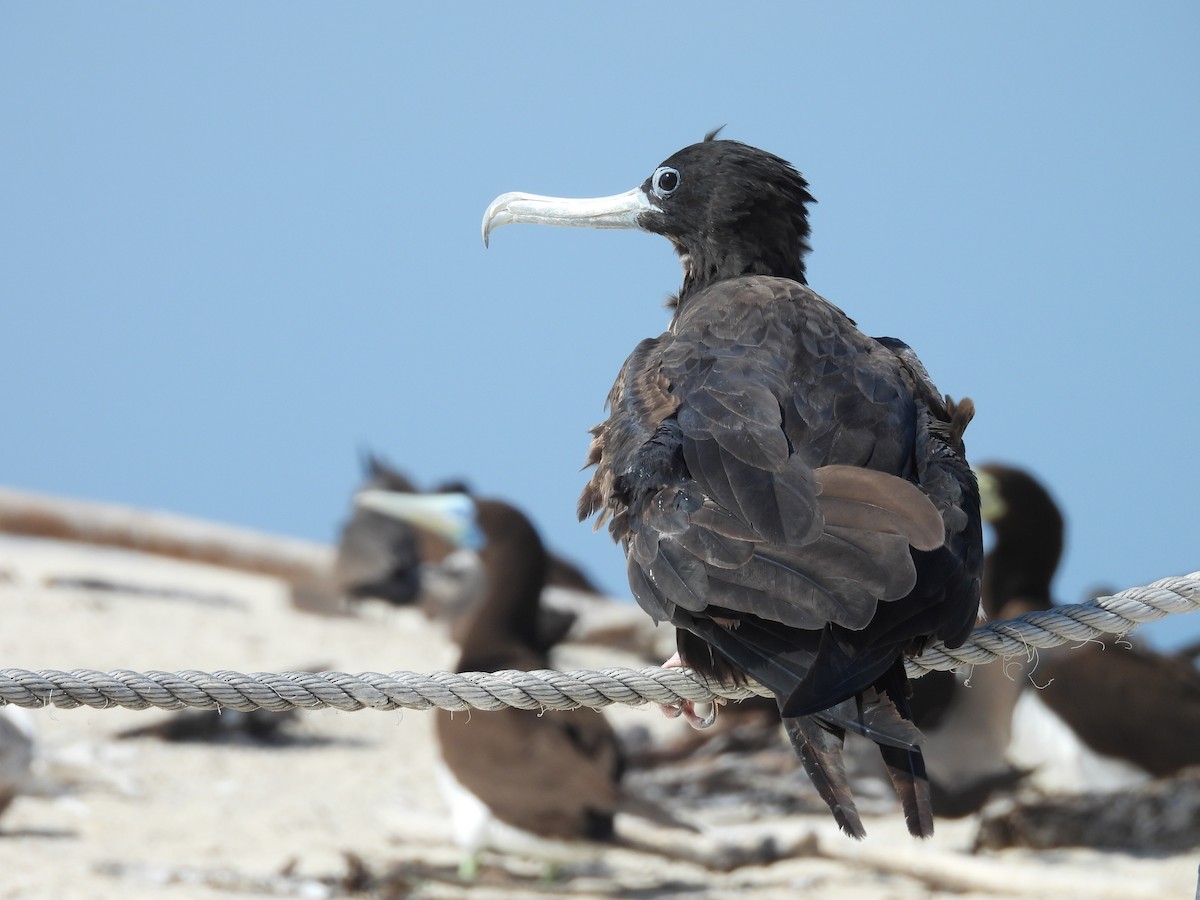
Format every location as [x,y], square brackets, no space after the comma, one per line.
[240,242]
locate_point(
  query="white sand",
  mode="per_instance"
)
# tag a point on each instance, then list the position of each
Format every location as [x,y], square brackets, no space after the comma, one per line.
[143,818]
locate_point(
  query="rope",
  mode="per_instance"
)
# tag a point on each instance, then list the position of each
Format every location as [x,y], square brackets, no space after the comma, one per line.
[547,689]
[1117,614]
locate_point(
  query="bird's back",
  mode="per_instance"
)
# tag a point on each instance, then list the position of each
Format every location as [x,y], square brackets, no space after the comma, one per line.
[553,775]
[758,462]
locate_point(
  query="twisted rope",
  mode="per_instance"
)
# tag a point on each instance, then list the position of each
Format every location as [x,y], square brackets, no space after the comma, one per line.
[1117,614]
[547,689]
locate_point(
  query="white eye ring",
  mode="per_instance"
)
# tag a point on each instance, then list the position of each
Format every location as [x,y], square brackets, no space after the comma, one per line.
[664,181]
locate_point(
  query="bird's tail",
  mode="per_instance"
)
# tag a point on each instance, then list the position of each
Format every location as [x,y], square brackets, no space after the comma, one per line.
[819,747]
[905,766]
[883,715]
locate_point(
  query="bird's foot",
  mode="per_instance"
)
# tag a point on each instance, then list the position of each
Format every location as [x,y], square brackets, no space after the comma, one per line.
[468,869]
[698,715]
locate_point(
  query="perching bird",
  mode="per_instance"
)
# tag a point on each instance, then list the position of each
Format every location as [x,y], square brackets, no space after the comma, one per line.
[1099,716]
[512,773]
[791,494]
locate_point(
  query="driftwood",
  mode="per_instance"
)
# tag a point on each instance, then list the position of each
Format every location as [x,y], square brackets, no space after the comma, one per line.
[1161,817]
[305,565]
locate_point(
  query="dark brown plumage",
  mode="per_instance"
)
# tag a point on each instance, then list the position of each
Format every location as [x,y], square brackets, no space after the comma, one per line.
[1029,542]
[381,556]
[791,494]
[378,555]
[553,775]
[1121,701]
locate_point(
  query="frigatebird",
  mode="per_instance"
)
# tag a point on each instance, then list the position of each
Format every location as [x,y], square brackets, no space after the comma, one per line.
[791,494]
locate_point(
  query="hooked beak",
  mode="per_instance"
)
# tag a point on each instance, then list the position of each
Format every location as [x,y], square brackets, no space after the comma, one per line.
[617,211]
[451,516]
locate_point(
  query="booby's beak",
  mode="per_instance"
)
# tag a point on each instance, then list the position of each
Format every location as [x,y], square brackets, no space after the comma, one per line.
[451,516]
[991,501]
[617,211]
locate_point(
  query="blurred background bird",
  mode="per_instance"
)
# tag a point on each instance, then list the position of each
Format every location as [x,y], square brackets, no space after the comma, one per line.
[514,779]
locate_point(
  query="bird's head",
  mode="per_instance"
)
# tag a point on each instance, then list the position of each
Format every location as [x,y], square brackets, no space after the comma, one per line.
[1029,537]
[451,516]
[729,209]
[1016,505]
[491,527]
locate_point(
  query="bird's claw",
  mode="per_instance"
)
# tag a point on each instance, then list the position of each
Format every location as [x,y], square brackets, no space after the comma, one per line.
[695,720]
[692,712]
[688,708]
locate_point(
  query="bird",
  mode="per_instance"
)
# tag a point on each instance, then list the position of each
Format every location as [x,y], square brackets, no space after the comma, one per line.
[377,555]
[380,556]
[1101,716]
[791,494]
[1029,531]
[967,719]
[514,778]
[17,751]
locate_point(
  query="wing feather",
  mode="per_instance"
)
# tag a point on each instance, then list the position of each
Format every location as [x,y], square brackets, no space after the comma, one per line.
[880,502]
[793,495]
[680,576]
[820,750]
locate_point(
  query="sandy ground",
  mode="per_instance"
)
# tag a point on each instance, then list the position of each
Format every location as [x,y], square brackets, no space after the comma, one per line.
[142,818]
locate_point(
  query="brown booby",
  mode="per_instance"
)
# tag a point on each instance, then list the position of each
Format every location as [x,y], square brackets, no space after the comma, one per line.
[1028,527]
[17,747]
[790,493]
[513,773]
[390,559]
[1103,715]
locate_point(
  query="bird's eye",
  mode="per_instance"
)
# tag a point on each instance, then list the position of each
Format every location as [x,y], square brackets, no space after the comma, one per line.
[665,181]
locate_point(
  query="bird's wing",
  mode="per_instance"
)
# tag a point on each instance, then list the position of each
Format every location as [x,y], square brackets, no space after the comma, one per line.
[641,399]
[553,774]
[378,556]
[945,600]
[764,461]
[1144,693]
[716,463]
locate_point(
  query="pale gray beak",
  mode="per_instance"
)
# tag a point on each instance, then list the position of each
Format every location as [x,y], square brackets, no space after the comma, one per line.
[617,211]
[451,516]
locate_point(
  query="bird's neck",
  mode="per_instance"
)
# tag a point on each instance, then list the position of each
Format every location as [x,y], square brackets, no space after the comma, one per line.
[503,631]
[1018,573]
[712,261]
